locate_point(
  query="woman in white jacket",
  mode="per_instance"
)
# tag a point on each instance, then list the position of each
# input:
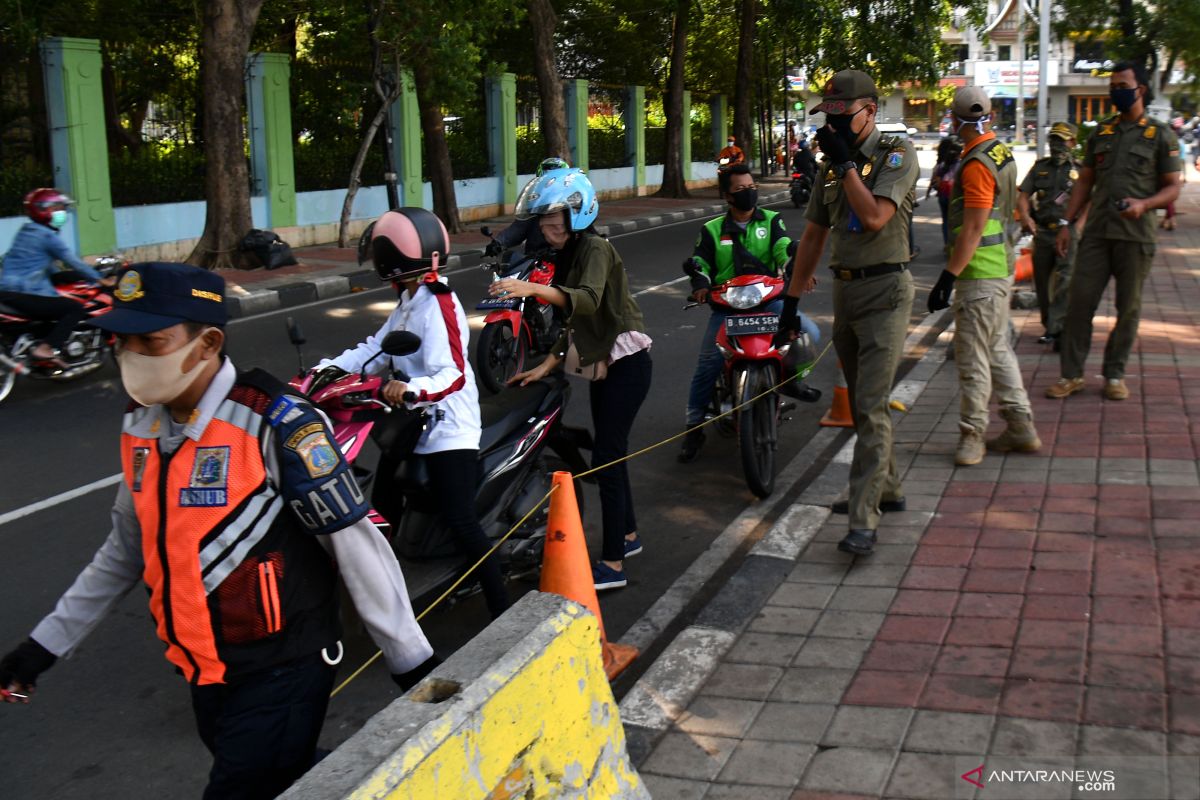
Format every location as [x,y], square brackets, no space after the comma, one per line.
[406,246]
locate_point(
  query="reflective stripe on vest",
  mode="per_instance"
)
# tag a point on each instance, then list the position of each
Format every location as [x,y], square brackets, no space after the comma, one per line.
[201,510]
[990,259]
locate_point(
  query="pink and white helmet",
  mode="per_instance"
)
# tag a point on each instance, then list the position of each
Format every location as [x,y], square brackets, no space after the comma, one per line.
[407,243]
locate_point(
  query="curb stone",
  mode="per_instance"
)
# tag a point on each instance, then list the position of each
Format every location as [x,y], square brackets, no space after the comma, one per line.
[659,697]
[250,303]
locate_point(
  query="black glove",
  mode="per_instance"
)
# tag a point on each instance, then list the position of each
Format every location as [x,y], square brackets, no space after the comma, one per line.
[833,146]
[699,280]
[493,248]
[407,680]
[939,295]
[324,376]
[25,664]
[789,322]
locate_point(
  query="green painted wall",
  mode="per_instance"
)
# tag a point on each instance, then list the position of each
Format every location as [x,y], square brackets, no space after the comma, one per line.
[576,96]
[269,119]
[635,132]
[502,133]
[78,142]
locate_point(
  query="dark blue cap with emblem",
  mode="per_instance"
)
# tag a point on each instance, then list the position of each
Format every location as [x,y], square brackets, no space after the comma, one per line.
[156,294]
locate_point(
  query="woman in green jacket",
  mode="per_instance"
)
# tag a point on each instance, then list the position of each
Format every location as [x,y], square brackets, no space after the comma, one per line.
[604,328]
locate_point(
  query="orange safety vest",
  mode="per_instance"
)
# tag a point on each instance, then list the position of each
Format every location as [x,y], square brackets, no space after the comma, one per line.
[231,578]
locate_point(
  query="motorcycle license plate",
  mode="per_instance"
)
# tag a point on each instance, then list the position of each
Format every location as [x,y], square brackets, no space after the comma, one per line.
[751,324]
[494,303]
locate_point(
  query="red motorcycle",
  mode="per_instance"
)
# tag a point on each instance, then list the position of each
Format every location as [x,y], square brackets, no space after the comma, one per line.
[753,366]
[85,349]
[514,328]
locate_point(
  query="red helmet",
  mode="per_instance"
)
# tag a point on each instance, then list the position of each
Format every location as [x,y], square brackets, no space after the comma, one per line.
[40,203]
[407,243]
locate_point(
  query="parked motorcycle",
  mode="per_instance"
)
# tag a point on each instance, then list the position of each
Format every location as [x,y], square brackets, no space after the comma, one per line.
[753,365]
[800,189]
[85,349]
[514,464]
[515,328]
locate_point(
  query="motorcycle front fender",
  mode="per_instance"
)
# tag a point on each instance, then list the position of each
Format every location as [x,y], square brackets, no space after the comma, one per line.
[508,317]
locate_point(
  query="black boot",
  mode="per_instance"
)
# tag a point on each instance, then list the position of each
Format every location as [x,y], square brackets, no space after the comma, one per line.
[801,391]
[693,440]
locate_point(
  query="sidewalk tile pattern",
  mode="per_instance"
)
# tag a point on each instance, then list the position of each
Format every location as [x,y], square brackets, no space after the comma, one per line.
[1037,605]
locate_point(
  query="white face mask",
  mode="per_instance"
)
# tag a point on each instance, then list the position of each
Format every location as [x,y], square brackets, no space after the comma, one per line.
[151,380]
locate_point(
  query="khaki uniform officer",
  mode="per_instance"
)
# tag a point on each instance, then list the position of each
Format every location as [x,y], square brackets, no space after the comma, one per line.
[864,203]
[1131,166]
[981,205]
[1040,205]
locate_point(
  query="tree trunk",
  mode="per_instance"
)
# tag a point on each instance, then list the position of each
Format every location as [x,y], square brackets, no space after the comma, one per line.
[437,153]
[356,170]
[673,184]
[743,78]
[228,26]
[553,120]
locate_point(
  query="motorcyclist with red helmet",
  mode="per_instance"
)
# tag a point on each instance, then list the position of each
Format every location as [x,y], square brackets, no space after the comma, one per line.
[25,283]
[407,246]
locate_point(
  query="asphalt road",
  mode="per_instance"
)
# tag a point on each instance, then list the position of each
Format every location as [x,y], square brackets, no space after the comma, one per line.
[115,722]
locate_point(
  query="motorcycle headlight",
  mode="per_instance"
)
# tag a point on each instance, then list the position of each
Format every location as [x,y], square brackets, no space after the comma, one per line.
[745,296]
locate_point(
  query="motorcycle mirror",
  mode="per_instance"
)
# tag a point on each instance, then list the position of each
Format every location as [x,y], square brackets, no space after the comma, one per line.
[295,336]
[486,231]
[297,340]
[400,343]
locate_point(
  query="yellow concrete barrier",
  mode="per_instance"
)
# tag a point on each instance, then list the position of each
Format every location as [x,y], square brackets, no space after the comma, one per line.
[523,711]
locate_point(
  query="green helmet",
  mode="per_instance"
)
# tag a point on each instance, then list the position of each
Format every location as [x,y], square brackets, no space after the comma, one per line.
[551,163]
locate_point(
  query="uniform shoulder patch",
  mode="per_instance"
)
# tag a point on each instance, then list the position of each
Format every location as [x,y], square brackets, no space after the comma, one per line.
[895,159]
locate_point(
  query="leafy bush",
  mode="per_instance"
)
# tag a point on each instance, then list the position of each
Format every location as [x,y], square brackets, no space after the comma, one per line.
[656,145]
[606,148]
[327,165]
[157,174]
[17,178]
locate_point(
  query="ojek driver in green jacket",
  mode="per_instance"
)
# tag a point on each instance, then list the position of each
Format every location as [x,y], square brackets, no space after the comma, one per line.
[747,240]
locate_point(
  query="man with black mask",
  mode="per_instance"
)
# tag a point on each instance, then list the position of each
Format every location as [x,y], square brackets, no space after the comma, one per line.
[747,240]
[1131,166]
[1041,203]
[862,206]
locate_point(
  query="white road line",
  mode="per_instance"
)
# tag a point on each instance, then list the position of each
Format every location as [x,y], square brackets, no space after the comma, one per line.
[112,480]
[58,499]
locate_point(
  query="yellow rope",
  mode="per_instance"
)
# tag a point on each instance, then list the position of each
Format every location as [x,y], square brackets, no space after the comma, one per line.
[546,498]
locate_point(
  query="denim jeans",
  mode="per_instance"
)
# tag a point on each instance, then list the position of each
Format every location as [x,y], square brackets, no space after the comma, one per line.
[615,403]
[710,362]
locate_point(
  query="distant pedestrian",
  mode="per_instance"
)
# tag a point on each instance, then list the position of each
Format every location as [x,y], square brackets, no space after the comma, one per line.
[1042,202]
[942,181]
[1131,166]
[985,191]
[864,206]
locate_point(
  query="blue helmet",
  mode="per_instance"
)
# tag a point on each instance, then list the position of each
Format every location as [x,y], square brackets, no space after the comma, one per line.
[560,190]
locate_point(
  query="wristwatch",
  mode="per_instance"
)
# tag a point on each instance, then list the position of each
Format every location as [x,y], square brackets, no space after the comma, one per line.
[1063,222]
[840,170]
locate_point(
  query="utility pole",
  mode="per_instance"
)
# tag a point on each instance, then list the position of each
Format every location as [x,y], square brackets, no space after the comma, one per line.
[1020,137]
[1043,107]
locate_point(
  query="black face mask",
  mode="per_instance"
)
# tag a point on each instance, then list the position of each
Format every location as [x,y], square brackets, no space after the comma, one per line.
[841,124]
[744,200]
[1059,150]
[1123,99]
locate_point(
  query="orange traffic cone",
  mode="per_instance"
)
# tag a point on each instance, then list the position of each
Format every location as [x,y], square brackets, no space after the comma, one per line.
[567,570]
[838,415]
[1023,270]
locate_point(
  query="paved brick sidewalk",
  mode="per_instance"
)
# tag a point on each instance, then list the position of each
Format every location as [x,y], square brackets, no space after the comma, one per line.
[1034,611]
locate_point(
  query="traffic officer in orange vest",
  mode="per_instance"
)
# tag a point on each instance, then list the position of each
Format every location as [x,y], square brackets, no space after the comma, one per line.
[234,508]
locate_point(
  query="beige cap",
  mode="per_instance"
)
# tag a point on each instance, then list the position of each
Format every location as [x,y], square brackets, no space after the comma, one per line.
[971,103]
[1063,130]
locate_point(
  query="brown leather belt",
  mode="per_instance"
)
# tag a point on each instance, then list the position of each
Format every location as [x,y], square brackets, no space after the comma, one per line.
[872,271]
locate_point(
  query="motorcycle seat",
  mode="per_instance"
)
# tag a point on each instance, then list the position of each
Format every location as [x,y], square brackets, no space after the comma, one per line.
[508,411]
[9,310]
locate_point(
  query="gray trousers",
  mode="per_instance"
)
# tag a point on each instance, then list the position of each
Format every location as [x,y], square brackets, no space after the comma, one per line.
[1100,259]
[986,361]
[870,321]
